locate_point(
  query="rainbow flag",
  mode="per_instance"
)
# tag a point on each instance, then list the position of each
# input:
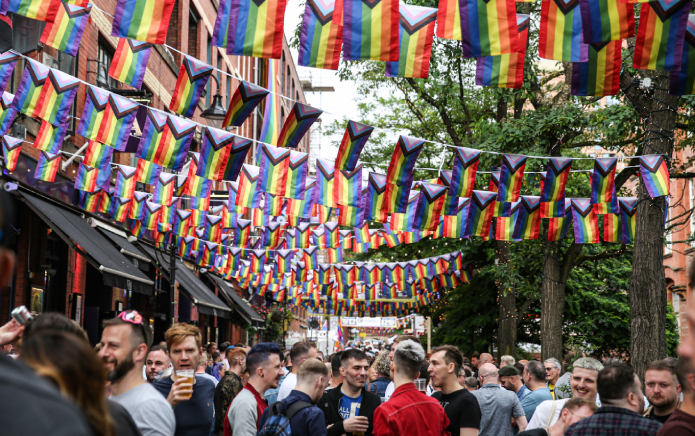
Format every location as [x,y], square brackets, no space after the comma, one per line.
[198,187]
[30,87]
[257,260]
[480,213]
[349,216]
[212,226]
[403,222]
[147,172]
[11,148]
[98,156]
[297,124]
[303,234]
[321,238]
[86,178]
[47,166]
[511,178]
[553,191]
[117,122]
[354,138]
[125,182]
[361,232]
[376,206]
[558,227]
[507,70]
[90,201]
[370,30]
[220,31]
[206,257]
[152,212]
[528,221]
[273,205]
[64,29]
[238,150]
[325,176]
[245,99]
[628,207]
[655,176]
[488,28]
[56,97]
[96,100]
[130,62]
[322,34]
[611,228]
[272,234]
[310,257]
[7,113]
[50,138]
[348,187]
[106,203]
[603,181]
[585,221]
[120,208]
[8,61]
[302,208]
[273,163]
[168,215]
[41,10]
[429,206]
[297,169]
[248,196]
[449,20]
[405,154]
[454,225]
[606,20]
[683,80]
[164,189]
[661,34]
[283,261]
[271,114]
[142,20]
[502,228]
[335,255]
[214,153]
[599,76]
[168,147]
[193,76]
[255,28]
[137,210]
[560,34]
[465,168]
[415,34]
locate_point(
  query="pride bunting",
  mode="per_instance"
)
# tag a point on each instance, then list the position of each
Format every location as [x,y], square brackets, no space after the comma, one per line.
[321,37]
[415,34]
[143,20]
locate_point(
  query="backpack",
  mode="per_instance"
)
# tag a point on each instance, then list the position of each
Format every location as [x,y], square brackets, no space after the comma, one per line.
[278,422]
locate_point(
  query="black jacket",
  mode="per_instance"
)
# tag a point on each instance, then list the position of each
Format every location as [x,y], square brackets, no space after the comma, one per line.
[330,403]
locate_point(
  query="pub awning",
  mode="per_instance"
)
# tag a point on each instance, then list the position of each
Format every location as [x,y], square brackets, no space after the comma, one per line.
[242,307]
[120,238]
[72,228]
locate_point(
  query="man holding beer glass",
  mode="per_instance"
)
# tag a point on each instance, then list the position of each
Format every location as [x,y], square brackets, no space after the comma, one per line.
[191,397]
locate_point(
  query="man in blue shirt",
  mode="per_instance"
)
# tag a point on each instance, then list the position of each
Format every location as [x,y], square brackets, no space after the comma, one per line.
[510,379]
[312,380]
[534,376]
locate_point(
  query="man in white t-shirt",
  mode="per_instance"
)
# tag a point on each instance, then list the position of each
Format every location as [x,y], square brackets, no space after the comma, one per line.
[583,384]
[300,352]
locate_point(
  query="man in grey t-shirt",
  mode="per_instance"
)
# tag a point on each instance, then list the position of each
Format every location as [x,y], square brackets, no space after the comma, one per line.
[149,409]
[498,406]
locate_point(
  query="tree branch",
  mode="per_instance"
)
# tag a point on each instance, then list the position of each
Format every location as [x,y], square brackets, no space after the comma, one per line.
[442,113]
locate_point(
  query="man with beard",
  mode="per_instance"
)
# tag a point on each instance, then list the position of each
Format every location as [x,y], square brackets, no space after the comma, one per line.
[124,344]
[192,402]
[662,390]
[157,362]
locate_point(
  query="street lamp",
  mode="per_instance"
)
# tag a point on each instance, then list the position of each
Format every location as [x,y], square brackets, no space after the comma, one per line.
[216,112]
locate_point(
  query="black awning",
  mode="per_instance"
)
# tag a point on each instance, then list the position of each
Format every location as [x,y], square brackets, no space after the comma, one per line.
[130,251]
[206,300]
[116,269]
[242,307]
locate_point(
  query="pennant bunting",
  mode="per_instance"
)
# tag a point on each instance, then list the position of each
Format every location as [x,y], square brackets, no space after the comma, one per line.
[560,34]
[248,196]
[152,212]
[603,181]
[96,100]
[511,177]
[7,112]
[117,122]
[273,163]
[214,153]
[90,201]
[8,61]
[98,156]
[238,150]
[449,20]
[270,129]
[192,78]
[488,28]
[325,176]
[655,176]
[405,154]
[86,178]
[245,99]
[164,189]
[47,166]
[297,169]
[528,220]
[321,37]
[354,139]
[628,207]
[167,147]
[661,35]
[585,221]
[415,34]
[142,20]
[120,208]
[506,70]
[56,97]
[370,30]
[553,191]
[606,20]
[256,28]
[348,187]
[37,9]
[130,62]
[64,29]
[480,213]
[429,206]
[50,138]
[377,188]
[11,148]
[454,225]
[30,87]
[125,182]
[137,210]
[147,172]
[600,75]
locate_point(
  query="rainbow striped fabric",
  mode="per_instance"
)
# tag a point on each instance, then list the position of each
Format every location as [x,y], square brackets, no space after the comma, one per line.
[661,35]
[30,87]
[199,188]
[370,30]
[152,213]
[297,124]
[449,20]
[193,76]
[560,34]
[429,206]
[325,176]
[8,61]
[255,28]
[271,114]
[454,225]
[585,222]
[480,212]
[238,150]
[165,139]
[130,62]
[143,20]
[98,156]
[303,207]
[47,166]
[603,181]
[606,20]
[273,163]
[90,201]
[376,207]
[11,148]
[220,31]
[96,100]
[164,189]
[628,208]
[528,220]
[117,122]
[415,34]
[655,176]
[7,113]
[56,98]
[248,196]
[138,207]
[245,99]
[354,139]
[347,187]
[297,169]
[242,233]
[120,208]
[125,181]
[683,80]
[511,177]
[553,191]
[50,138]
[65,29]
[273,205]
[558,227]
[507,70]
[405,154]
[86,178]
[40,10]
[599,76]
[147,172]
[502,227]
[465,168]
[488,28]
[322,34]
[214,154]
[611,228]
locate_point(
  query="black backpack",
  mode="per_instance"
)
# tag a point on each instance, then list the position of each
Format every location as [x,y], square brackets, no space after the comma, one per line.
[278,422]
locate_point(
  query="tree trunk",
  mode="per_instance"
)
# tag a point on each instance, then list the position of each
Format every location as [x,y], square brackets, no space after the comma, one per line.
[506,299]
[552,304]
[647,281]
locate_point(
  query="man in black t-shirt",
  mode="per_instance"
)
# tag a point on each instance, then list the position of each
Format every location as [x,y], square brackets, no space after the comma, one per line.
[461,406]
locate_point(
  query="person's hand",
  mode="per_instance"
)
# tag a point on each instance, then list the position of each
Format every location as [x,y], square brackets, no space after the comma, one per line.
[10,332]
[181,390]
[356,423]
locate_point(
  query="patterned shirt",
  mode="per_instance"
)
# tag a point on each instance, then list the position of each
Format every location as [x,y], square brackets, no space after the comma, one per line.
[228,387]
[614,421]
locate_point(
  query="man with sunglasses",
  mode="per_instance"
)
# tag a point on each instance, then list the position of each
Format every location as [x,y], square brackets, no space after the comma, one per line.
[124,344]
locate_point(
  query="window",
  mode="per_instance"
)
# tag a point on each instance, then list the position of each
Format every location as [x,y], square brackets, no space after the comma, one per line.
[668,248]
[608,155]
[193,34]
[229,90]
[592,154]
[676,303]
[104,59]
[597,147]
